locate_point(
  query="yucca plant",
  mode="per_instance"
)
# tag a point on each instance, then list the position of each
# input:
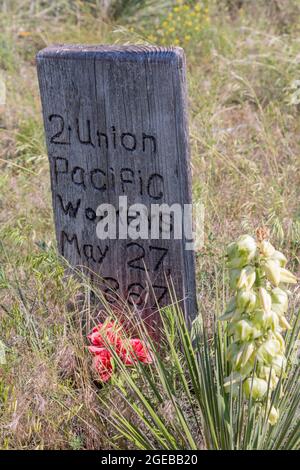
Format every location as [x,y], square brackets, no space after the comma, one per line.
[180,401]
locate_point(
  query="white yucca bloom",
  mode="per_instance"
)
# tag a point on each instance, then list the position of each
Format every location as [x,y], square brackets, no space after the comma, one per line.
[256,316]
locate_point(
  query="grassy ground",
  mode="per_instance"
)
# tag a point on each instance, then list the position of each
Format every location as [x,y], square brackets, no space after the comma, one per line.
[243,67]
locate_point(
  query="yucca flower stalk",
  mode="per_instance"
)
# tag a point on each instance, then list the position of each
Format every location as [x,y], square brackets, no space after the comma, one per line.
[256,316]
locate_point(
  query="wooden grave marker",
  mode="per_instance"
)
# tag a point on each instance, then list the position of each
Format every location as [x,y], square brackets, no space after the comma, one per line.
[115,120]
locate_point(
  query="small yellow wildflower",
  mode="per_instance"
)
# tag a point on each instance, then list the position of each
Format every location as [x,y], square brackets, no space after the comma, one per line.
[24,34]
[164,24]
[176,41]
[187,38]
[197,7]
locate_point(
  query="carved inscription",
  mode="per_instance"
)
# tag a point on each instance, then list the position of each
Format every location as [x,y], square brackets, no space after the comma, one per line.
[109,139]
[103,180]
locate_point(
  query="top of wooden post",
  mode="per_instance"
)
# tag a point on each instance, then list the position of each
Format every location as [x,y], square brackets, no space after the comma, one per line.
[119,53]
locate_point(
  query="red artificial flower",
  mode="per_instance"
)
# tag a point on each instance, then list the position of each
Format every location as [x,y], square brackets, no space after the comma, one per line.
[105,334]
[102,363]
[140,351]
[98,333]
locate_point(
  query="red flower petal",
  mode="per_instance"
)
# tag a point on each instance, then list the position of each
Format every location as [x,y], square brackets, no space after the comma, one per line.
[141,352]
[103,365]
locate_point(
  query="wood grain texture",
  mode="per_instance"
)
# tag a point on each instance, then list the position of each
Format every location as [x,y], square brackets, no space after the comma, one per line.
[116,124]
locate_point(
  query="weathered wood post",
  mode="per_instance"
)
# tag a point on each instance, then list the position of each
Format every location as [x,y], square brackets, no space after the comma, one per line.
[116,125]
